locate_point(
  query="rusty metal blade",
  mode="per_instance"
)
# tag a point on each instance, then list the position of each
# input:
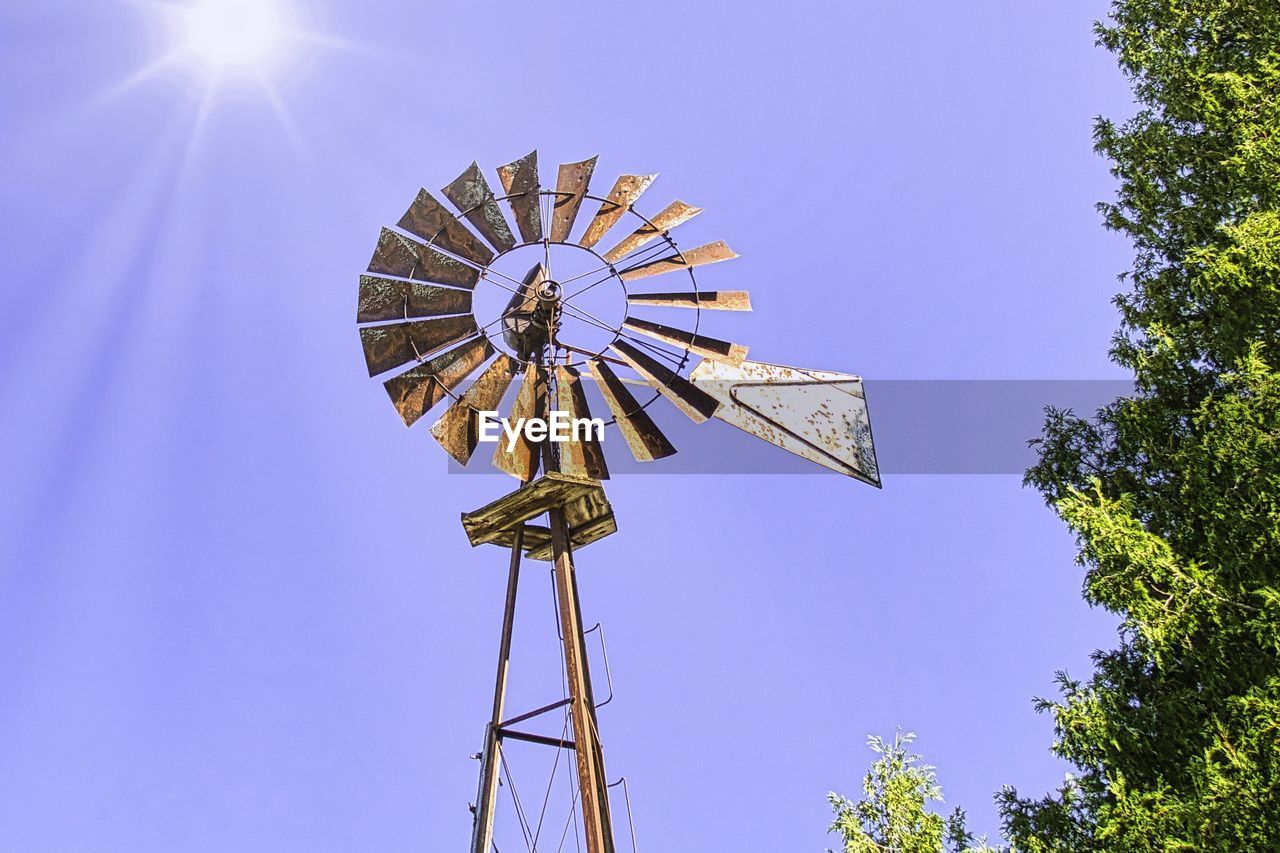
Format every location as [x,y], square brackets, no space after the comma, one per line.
[582,454]
[393,299]
[624,194]
[669,217]
[687,397]
[708,254]
[520,180]
[716,300]
[571,184]
[458,429]
[642,435]
[432,221]
[401,256]
[416,391]
[390,346]
[701,344]
[470,193]
[521,461]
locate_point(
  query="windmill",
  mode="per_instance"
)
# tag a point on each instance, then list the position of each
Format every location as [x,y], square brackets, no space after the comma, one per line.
[418,325]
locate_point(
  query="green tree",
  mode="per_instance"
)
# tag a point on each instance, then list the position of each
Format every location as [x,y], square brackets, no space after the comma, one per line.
[894,815]
[1174,493]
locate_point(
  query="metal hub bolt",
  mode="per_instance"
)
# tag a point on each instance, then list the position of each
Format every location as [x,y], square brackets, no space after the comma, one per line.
[549,292]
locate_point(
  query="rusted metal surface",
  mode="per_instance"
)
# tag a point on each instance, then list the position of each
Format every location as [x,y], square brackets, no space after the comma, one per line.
[458,430]
[429,219]
[587,512]
[642,435]
[701,256]
[416,391]
[625,191]
[393,299]
[590,519]
[669,217]
[581,456]
[404,257]
[470,193]
[697,404]
[498,518]
[701,344]
[525,320]
[819,415]
[390,346]
[597,823]
[522,460]
[715,300]
[571,183]
[520,180]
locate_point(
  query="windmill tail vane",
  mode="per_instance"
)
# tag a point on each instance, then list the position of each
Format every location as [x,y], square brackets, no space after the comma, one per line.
[425,331]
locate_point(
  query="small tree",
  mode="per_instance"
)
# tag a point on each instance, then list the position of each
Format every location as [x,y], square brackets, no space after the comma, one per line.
[894,814]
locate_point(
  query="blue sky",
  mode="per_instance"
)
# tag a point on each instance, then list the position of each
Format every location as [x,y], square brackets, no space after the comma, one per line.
[237,610]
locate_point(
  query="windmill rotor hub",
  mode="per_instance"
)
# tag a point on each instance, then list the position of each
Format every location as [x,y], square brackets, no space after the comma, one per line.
[550,292]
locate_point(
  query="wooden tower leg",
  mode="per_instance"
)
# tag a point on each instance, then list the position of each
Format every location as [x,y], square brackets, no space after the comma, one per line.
[593,794]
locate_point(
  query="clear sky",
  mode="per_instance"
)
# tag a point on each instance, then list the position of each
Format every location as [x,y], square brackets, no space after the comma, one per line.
[237,610]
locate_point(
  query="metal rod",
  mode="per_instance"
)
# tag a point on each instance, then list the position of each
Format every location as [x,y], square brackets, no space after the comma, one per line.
[504,733]
[592,793]
[590,758]
[482,829]
[626,794]
[544,709]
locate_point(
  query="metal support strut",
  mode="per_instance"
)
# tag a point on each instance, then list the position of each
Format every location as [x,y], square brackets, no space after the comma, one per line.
[593,794]
[482,830]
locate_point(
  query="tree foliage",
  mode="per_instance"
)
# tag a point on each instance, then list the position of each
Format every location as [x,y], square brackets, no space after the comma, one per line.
[894,814]
[1174,493]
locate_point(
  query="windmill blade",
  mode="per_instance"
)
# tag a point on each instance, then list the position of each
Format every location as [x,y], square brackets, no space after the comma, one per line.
[642,435]
[520,180]
[701,256]
[458,430]
[819,415]
[470,193]
[625,191]
[390,346]
[716,300]
[416,391]
[669,217]
[429,219]
[393,299]
[401,256]
[571,184]
[521,461]
[697,404]
[701,344]
[579,456]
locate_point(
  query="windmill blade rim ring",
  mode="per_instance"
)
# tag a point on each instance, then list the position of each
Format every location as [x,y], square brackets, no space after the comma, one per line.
[686,354]
[665,236]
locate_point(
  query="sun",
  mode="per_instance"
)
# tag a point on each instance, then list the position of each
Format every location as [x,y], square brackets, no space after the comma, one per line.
[241,48]
[232,37]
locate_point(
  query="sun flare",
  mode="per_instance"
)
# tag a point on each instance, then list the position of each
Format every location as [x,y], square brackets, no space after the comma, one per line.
[232,36]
